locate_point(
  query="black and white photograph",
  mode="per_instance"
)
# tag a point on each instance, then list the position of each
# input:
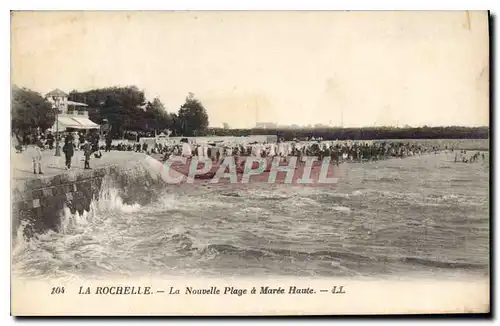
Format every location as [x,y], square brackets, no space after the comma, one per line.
[244,150]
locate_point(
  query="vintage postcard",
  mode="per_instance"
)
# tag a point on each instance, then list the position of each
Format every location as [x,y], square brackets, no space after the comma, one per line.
[213,163]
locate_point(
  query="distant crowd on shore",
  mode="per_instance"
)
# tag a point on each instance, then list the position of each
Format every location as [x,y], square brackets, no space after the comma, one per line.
[338,152]
[345,151]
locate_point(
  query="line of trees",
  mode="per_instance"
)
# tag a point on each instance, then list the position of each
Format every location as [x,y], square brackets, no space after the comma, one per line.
[126,109]
[366,133]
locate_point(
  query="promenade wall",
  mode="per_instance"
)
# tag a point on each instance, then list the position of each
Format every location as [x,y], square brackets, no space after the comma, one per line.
[40,201]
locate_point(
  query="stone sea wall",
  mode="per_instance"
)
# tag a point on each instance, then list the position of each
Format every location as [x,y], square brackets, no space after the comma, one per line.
[40,202]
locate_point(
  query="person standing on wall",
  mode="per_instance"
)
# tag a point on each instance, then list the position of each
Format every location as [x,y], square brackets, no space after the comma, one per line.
[87,151]
[68,150]
[36,154]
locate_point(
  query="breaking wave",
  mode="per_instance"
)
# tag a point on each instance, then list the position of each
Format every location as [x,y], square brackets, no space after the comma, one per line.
[354,230]
[74,227]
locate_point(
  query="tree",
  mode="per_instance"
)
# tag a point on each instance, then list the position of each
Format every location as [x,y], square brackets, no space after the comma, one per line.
[119,105]
[225,125]
[157,117]
[125,108]
[193,117]
[30,110]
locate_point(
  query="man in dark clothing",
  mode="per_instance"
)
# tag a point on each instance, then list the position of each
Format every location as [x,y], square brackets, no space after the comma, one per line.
[108,142]
[50,140]
[68,150]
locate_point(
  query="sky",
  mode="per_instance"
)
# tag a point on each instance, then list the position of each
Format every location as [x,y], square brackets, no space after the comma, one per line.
[351,68]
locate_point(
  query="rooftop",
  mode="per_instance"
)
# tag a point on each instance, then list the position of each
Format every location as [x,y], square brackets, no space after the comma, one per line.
[56,92]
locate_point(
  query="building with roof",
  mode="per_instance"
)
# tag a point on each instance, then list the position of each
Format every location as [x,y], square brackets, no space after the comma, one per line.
[72,115]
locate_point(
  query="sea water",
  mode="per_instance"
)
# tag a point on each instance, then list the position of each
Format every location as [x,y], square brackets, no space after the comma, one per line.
[418,215]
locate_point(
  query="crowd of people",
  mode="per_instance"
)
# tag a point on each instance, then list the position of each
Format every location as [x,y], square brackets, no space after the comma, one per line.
[338,151]
[88,143]
[69,143]
[462,157]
